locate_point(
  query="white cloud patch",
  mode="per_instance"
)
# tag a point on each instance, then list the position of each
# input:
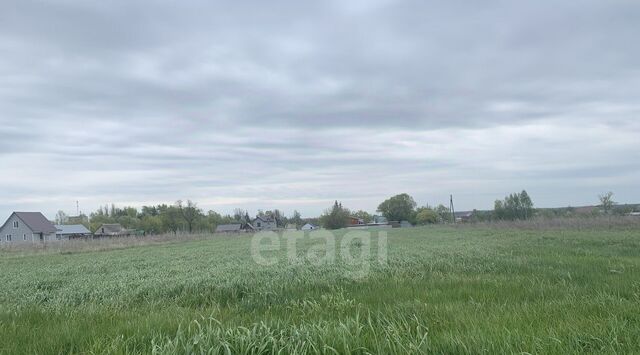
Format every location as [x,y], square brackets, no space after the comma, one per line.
[292,105]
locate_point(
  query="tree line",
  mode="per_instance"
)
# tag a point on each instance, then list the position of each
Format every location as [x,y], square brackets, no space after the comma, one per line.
[173,218]
[188,217]
[403,207]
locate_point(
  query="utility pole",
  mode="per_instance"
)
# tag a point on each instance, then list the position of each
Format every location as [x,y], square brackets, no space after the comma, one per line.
[77,208]
[453,211]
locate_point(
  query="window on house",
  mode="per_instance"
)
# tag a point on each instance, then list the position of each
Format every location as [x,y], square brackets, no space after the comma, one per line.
[15,224]
[259,225]
[24,237]
[8,237]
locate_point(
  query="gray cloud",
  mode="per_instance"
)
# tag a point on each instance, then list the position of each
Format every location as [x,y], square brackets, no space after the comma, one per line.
[292,104]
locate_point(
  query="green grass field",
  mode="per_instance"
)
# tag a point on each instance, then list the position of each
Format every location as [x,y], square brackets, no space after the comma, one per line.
[442,290]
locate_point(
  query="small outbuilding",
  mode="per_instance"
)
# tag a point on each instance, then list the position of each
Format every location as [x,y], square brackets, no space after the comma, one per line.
[112,230]
[72,231]
[465,216]
[309,226]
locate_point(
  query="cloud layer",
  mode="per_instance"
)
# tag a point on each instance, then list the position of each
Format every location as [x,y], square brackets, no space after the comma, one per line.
[289,104]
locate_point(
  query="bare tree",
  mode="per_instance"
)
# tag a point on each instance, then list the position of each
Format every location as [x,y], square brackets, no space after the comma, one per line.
[239,214]
[606,202]
[61,217]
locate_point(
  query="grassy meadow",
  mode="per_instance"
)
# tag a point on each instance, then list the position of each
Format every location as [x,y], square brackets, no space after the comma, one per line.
[441,290]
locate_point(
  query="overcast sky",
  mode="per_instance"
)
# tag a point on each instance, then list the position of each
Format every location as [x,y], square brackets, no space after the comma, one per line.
[293,104]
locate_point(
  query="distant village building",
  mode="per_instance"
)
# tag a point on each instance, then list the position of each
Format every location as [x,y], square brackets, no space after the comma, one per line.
[234,228]
[27,227]
[264,223]
[309,226]
[463,216]
[355,221]
[379,220]
[112,230]
[72,231]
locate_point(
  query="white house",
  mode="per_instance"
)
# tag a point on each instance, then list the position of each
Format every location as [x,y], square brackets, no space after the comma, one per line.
[27,227]
[309,226]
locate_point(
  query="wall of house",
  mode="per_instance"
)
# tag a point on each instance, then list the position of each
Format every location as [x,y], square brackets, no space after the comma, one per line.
[264,226]
[62,237]
[270,225]
[17,234]
[45,237]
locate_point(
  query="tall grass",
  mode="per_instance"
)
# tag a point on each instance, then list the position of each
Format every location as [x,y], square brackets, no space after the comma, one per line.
[563,223]
[99,244]
[443,290]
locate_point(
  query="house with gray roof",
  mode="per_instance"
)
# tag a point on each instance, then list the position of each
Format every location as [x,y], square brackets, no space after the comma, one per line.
[72,231]
[27,227]
[264,223]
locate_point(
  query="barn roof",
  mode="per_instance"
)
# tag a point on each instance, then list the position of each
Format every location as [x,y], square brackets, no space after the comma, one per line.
[71,229]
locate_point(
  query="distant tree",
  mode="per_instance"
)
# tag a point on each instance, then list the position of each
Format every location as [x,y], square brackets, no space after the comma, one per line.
[526,205]
[336,217]
[190,213]
[364,215]
[444,213]
[214,219]
[151,224]
[148,211]
[398,208]
[426,215]
[171,218]
[515,206]
[61,217]
[239,214]
[606,202]
[277,216]
[296,219]
[128,222]
[499,210]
